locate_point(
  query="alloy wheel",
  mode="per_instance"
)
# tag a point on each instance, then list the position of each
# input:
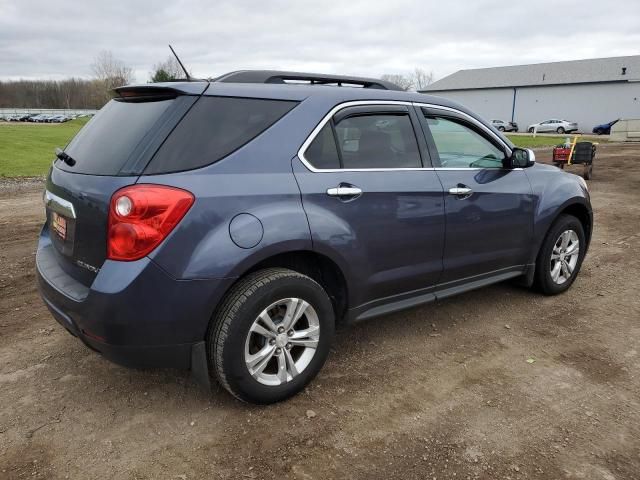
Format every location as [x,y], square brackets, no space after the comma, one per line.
[564,256]
[282,341]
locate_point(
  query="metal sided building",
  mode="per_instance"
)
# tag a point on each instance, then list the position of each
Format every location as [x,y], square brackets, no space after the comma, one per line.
[590,92]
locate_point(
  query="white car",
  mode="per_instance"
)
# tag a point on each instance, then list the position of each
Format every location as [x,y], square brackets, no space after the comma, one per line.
[558,126]
[504,126]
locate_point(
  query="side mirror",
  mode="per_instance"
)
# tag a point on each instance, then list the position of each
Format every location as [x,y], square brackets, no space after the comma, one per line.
[520,158]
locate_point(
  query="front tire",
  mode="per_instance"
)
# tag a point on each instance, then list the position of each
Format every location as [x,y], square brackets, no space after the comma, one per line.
[560,130]
[271,335]
[560,256]
[530,130]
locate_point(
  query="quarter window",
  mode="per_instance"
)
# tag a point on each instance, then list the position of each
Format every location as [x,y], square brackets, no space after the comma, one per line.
[377,141]
[214,128]
[459,146]
[323,153]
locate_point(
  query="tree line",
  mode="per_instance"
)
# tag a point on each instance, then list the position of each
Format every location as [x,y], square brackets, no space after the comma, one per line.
[71,93]
[110,72]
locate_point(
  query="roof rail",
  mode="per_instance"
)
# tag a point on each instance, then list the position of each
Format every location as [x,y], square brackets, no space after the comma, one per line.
[274,76]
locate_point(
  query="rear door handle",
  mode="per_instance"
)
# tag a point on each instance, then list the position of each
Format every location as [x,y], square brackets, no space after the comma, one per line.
[344,192]
[460,191]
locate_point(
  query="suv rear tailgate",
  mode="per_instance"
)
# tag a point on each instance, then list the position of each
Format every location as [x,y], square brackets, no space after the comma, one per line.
[109,153]
[79,234]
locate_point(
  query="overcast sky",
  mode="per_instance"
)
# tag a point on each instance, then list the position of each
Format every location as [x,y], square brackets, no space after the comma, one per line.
[59,38]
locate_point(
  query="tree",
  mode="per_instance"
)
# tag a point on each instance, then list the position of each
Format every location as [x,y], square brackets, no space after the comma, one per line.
[402,81]
[416,80]
[110,73]
[166,71]
[161,75]
[421,79]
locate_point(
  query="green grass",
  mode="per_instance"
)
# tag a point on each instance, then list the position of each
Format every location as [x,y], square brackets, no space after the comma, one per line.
[27,149]
[528,141]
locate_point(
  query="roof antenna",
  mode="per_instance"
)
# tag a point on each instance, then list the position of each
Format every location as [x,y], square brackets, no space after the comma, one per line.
[181,65]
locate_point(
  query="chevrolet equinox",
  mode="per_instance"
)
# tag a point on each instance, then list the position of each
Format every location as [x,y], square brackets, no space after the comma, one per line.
[227,226]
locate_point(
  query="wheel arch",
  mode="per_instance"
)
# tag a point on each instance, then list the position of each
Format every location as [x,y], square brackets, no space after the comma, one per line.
[576,207]
[317,266]
[582,213]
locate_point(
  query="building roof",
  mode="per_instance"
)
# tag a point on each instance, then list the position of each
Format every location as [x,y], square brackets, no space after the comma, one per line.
[594,70]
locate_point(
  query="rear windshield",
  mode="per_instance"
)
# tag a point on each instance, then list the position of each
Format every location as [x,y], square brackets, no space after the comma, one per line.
[103,146]
[214,128]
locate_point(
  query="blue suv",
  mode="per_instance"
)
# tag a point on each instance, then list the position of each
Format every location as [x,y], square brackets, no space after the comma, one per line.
[227,226]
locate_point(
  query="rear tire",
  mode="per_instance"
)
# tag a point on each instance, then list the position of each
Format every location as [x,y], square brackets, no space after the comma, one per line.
[259,353]
[501,129]
[560,130]
[557,264]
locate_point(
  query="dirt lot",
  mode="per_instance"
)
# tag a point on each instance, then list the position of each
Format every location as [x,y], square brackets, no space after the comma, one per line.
[496,383]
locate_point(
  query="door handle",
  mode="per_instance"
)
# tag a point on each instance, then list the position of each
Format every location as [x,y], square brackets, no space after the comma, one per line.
[460,191]
[344,192]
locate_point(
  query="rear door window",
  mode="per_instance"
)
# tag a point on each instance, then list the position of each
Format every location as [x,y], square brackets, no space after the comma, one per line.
[378,141]
[214,128]
[104,145]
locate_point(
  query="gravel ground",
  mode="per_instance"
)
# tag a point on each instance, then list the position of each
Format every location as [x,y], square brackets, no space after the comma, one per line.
[496,383]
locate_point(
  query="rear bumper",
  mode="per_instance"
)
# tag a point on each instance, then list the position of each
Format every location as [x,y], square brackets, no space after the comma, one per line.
[135,356]
[134,313]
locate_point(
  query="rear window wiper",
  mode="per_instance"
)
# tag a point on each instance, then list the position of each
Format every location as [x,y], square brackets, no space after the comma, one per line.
[65,157]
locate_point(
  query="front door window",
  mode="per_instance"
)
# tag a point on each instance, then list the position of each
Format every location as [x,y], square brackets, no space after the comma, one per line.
[459,146]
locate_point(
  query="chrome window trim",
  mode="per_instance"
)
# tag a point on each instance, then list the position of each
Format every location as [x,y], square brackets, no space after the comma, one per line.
[468,117]
[354,103]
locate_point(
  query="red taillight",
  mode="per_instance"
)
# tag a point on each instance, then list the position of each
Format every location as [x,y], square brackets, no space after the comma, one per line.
[141,216]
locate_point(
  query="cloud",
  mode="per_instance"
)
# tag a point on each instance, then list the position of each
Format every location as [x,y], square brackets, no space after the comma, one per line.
[57,39]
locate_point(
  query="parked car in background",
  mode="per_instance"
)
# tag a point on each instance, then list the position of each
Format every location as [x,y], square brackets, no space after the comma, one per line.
[58,119]
[558,126]
[503,126]
[228,226]
[21,117]
[605,128]
[40,118]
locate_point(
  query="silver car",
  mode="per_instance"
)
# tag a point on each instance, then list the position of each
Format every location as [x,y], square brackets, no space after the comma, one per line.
[504,126]
[558,126]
